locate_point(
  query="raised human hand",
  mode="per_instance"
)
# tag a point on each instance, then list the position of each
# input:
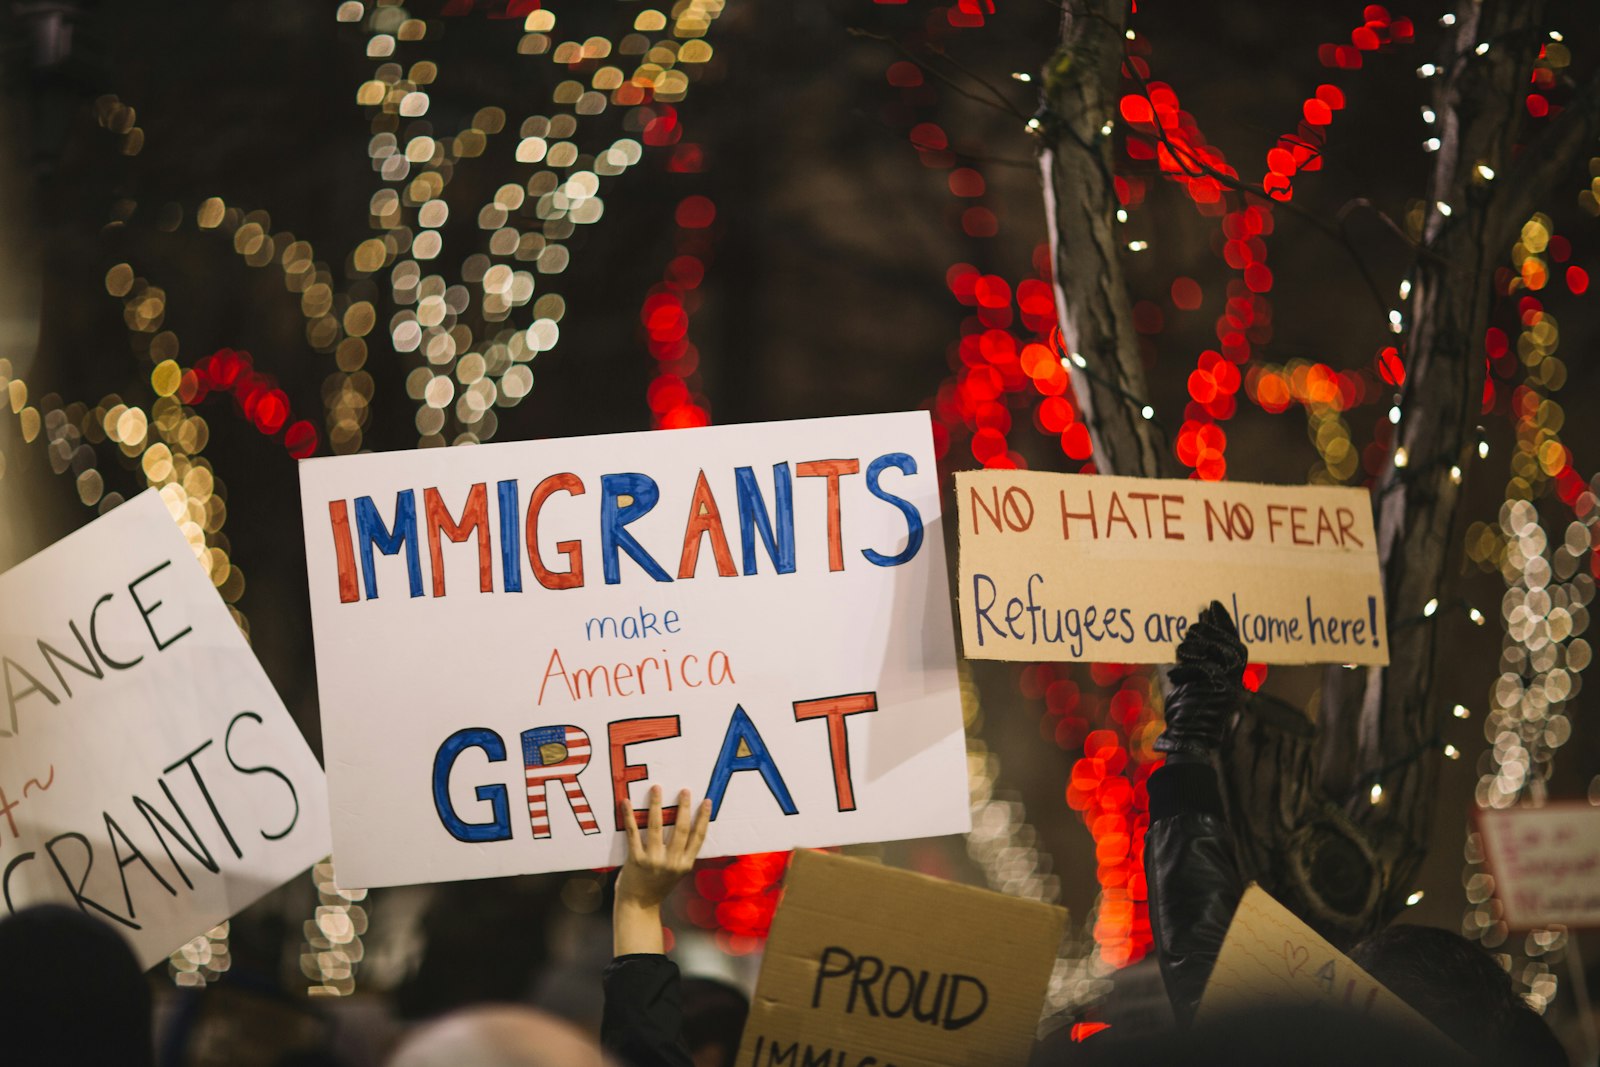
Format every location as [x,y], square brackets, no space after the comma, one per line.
[1208,684]
[657,860]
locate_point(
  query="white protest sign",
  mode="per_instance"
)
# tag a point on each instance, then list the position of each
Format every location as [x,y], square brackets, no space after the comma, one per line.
[149,773]
[1545,863]
[515,640]
[1101,569]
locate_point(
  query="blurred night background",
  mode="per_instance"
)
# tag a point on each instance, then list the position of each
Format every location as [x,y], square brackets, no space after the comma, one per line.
[232,235]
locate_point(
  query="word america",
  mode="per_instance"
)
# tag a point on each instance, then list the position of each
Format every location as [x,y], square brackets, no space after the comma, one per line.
[624,499]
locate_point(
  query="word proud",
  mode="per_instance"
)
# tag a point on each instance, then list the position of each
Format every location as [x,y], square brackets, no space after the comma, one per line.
[510,530]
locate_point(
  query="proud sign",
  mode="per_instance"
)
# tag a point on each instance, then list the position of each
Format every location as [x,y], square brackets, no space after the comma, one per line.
[1101,569]
[514,641]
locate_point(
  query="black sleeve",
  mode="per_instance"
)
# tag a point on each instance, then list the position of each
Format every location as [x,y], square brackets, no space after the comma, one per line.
[642,1024]
[1193,879]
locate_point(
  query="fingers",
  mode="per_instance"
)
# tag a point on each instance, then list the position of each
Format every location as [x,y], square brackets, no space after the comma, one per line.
[630,826]
[697,831]
[681,822]
[653,821]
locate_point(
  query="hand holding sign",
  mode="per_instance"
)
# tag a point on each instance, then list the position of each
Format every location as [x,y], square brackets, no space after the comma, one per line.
[512,640]
[1207,685]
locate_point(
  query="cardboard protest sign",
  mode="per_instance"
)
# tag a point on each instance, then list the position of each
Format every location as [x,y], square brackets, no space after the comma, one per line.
[149,773]
[514,641]
[867,961]
[1270,959]
[1545,863]
[1102,569]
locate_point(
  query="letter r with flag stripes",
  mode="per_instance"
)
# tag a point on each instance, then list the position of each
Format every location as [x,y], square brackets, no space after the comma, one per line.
[556,754]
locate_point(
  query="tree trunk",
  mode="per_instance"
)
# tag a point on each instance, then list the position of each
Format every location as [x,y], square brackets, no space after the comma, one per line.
[1081,86]
[1308,827]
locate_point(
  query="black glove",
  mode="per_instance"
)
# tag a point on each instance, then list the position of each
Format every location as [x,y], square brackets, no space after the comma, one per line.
[1208,684]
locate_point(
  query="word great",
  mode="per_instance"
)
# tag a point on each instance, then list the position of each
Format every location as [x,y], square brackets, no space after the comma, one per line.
[559,755]
[624,498]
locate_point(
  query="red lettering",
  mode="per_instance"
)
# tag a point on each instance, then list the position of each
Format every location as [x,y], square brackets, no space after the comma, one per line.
[834,709]
[636,732]
[572,577]
[705,518]
[1168,517]
[1067,516]
[831,469]
[344,551]
[474,520]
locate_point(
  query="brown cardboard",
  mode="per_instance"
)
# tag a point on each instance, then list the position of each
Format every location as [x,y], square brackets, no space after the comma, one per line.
[1101,569]
[1545,863]
[839,914]
[1272,959]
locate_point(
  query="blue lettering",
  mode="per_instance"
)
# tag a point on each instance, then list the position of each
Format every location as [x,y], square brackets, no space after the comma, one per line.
[498,828]
[906,465]
[753,518]
[371,531]
[742,732]
[510,544]
[614,519]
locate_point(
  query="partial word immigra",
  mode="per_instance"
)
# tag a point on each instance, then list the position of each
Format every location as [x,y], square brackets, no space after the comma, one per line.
[624,498]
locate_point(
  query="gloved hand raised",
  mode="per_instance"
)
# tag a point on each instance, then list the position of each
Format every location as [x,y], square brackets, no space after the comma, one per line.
[1208,685]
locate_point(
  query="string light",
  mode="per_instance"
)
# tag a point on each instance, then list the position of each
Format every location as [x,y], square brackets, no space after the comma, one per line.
[1428,115]
[1455,479]
[1427,70]
[1482,49]
[1401,457]
[1447,19]
[1452,752]
[1414,899]
[1375,794]
[1545,610]
[1430,607]
[1431,144]
[1138,246]
[1485,172]
[1148,412]
[1022,76]
[1444,208]
[1460,711]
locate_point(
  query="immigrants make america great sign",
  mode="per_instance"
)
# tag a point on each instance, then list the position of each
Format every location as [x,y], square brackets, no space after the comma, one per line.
[149,773]
[515,640]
